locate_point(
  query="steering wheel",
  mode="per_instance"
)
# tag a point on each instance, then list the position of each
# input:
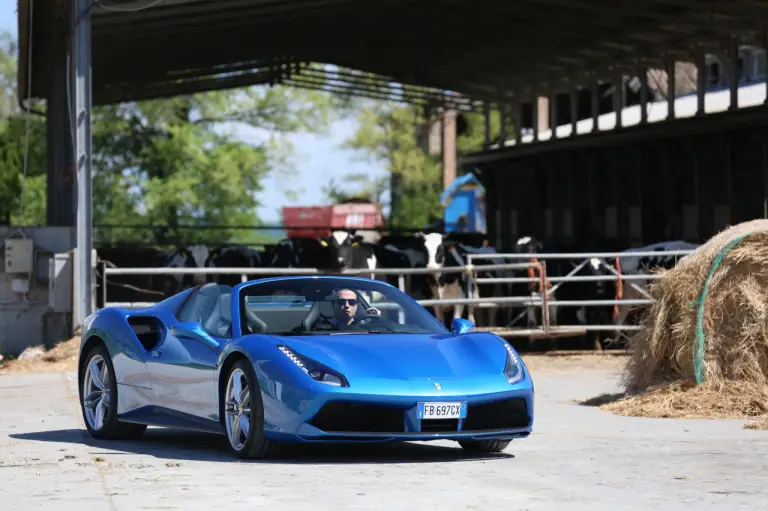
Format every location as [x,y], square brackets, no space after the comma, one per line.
[365,316]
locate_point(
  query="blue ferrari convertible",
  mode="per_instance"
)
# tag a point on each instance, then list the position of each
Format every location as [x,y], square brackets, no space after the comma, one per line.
[300,359]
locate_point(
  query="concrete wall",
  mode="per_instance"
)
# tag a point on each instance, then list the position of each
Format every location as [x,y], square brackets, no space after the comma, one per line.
[33,319]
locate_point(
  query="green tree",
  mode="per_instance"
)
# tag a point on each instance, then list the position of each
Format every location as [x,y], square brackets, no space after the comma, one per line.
[473,138]
[367,188]
[14,124]
[169,162]
[183,161]
[387,134]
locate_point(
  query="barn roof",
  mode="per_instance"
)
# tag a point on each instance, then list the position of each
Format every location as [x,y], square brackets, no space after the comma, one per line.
[479,49]
[716,105]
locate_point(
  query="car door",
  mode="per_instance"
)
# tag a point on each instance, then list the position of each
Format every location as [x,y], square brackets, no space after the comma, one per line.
[182,368]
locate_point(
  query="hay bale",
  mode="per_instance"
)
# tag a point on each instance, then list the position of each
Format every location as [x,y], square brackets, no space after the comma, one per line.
[735,316]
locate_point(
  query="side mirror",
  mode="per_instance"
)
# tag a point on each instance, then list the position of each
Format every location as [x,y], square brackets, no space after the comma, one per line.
[461,326]
[194,332]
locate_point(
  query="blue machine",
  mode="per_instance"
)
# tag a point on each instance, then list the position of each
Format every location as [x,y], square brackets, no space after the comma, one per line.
[464,205]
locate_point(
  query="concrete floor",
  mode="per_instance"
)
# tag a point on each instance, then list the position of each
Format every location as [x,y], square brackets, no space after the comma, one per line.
[577,458]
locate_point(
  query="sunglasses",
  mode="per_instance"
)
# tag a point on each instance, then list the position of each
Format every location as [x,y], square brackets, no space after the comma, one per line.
[350,301]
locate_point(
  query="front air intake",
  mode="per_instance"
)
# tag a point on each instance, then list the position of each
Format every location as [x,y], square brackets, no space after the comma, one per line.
[504,414]
[346,417]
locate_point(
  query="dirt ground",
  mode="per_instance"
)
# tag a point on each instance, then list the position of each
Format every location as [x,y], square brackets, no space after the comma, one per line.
[62,357]
[558,361]
[577,458]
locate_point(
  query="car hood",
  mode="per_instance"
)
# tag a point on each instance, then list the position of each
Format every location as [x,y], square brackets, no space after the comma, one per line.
[405,356]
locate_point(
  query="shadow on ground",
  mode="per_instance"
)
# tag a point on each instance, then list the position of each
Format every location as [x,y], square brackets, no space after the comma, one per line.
[602,399]
[184,445]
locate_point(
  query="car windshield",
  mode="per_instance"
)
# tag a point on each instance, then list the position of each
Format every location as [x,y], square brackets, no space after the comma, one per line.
[331,306]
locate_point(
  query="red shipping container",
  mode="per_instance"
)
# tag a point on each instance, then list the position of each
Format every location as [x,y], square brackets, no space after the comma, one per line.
[356,216]
[325,218]
[307,216]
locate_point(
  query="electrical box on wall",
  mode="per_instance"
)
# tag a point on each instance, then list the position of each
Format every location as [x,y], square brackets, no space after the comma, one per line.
[60,283]
[19,255]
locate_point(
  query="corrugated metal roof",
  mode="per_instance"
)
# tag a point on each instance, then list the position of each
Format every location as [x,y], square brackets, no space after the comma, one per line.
[481,49]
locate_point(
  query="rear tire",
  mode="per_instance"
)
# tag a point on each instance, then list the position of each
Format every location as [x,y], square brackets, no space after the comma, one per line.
[486,446]
[243,413]
[99,398]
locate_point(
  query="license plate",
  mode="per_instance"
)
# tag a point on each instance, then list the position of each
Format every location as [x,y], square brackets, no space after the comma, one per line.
[443,410]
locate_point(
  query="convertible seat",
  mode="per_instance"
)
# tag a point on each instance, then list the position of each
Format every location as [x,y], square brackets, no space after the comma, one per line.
[219,322]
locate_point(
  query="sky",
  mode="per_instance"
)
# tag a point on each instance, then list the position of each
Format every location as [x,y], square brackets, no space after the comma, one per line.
[317,159]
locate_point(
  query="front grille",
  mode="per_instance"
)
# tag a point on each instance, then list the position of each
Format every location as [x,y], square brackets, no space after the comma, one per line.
[439,425]
[359,418]
[505,414]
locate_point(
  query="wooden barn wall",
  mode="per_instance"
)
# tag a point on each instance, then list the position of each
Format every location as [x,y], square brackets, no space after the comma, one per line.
[612,198]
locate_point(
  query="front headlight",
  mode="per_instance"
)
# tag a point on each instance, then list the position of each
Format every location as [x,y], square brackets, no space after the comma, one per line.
[315,369]
[513,370]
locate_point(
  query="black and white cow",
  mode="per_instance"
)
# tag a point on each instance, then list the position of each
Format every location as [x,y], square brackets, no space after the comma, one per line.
[445,286]
[528,316]
[284,254]
[531,316]
[195,256]
[233,256]
[352,252]
[628,290]
[333,253]
[466,244]
[304,253]
[130,288]
[405,251]
[451,251]
[151,287]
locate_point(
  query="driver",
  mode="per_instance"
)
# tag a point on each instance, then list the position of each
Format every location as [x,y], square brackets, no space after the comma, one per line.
[345,308]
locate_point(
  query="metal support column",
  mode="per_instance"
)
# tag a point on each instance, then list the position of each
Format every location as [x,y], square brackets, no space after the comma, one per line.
[542,114]
[595,105]
[487,125]
[671,87]
[618,99]
[733,74]
[701,81]
[765,71]
[502,123]
[60,194]
[574,105]
[765,178]
[643,75]
[449,147]
[82,128]
[553,120]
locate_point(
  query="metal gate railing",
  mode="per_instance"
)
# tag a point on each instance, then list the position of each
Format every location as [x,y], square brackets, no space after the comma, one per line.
[586,258]
[400,272]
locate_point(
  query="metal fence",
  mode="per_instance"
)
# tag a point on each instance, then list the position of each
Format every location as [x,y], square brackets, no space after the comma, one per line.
[400,272]
[546,329]
[542,300]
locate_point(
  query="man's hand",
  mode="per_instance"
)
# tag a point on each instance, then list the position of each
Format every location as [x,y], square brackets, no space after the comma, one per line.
[373,310]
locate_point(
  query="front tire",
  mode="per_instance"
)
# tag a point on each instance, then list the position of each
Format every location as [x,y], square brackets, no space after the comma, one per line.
[243,412]
[485,446]
[98,398]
